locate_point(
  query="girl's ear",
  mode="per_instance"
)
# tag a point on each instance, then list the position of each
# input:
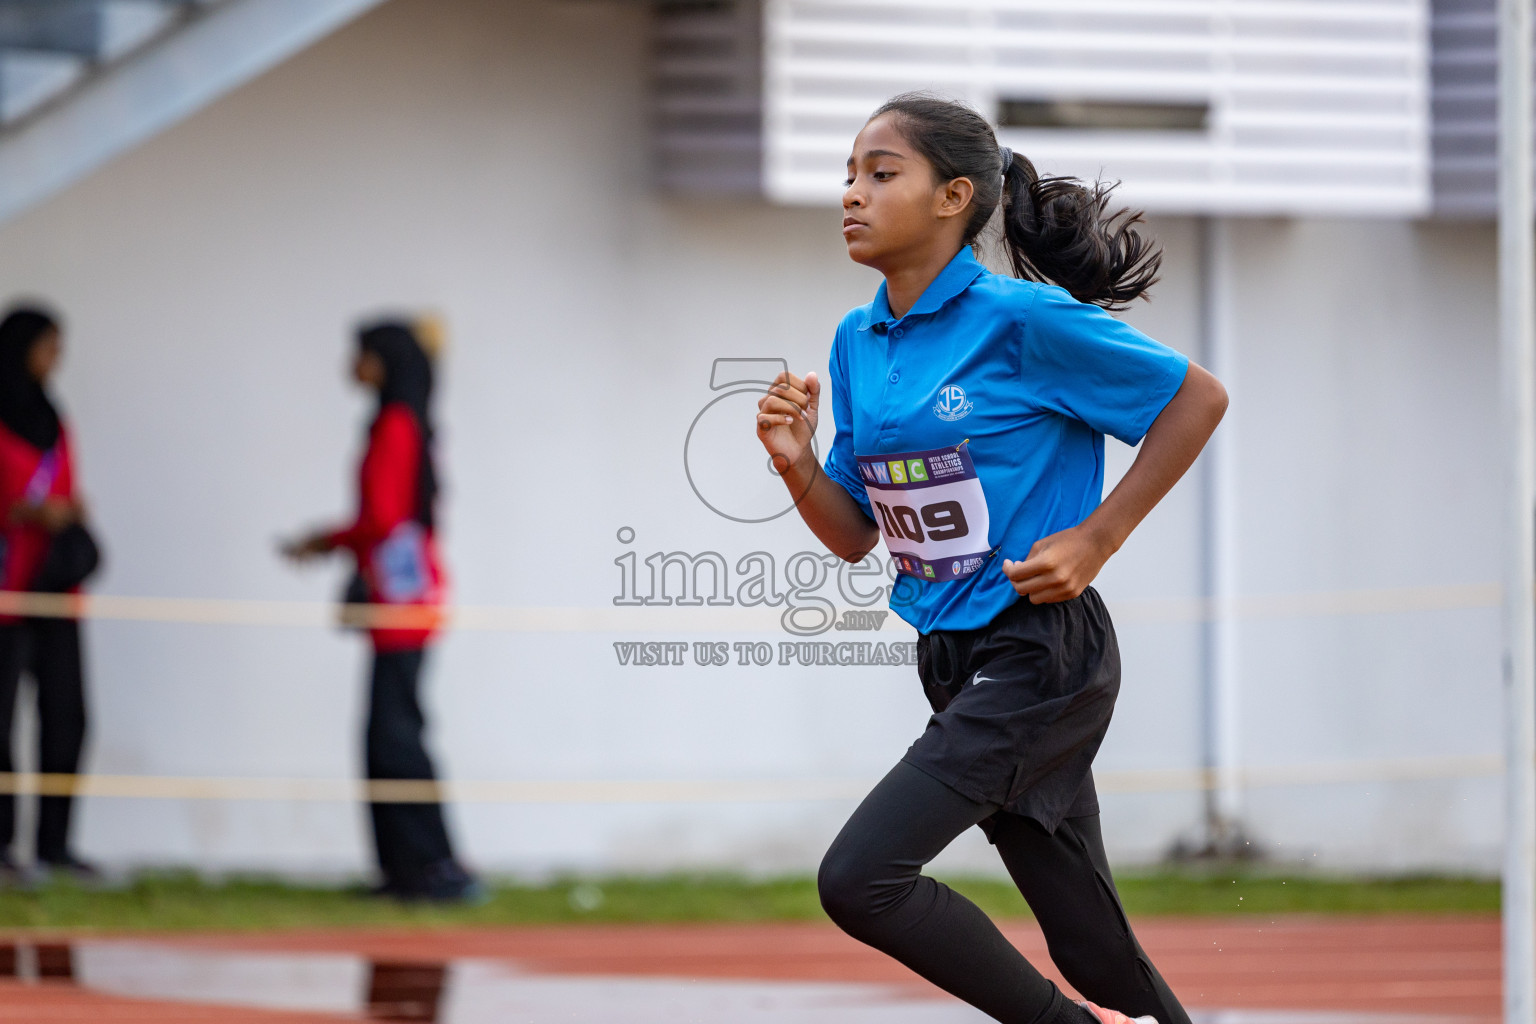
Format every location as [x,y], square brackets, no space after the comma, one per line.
[954,197]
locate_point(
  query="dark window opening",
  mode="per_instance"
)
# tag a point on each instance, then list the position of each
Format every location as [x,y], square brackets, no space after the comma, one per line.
[697,6]
[1103,116]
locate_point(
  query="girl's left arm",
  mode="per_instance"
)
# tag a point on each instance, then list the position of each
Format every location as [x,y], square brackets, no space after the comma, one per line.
[1061,566]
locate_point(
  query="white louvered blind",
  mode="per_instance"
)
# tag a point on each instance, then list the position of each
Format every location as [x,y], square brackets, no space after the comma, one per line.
[1465,107]
[1312,106]
[708,92]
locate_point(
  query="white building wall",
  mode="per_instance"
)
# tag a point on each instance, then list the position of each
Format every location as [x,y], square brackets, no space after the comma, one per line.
[1366,392]
[491,160]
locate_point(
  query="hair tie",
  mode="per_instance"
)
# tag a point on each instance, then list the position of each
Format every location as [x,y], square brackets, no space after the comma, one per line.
[1007,155]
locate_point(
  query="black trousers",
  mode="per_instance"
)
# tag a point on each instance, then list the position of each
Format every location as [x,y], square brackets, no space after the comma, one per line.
[48,649]
[408,837]
[871,885]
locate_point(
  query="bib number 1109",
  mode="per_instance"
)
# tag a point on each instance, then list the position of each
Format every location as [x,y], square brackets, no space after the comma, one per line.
[944,520]
[931,510]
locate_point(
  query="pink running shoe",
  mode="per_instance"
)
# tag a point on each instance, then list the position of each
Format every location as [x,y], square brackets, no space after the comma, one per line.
[1114,1016]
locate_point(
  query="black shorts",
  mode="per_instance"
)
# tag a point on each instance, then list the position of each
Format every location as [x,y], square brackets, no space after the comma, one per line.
[1021,706]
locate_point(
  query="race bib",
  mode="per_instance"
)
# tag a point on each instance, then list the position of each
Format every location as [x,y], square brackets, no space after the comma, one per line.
[400,569]
[931,510]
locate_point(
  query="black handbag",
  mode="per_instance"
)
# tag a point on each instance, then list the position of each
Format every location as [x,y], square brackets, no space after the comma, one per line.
[73,556]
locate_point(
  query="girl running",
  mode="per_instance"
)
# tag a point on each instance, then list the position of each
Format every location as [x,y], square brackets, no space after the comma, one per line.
[971,410]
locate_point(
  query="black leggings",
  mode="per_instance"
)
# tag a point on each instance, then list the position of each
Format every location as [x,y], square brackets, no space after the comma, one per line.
[871,885]
[409,838]
[50,650]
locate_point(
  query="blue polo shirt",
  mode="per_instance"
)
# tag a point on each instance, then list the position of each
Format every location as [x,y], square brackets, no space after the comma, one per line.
[1020,376]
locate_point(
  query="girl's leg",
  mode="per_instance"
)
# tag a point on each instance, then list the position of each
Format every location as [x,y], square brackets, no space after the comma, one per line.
[12,660]
[60,675]
[871,885]
[1065,878]
[409,837]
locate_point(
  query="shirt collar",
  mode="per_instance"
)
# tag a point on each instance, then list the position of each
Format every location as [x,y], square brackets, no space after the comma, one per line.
[955,278]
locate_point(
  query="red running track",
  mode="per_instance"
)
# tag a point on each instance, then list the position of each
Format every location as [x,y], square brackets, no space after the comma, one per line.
[1442,966]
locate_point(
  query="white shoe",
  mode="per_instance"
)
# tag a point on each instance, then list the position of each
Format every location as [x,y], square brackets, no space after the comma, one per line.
[1114,1016]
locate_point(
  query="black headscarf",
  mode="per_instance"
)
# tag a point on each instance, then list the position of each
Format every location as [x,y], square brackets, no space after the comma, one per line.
[24,405]
[408,381]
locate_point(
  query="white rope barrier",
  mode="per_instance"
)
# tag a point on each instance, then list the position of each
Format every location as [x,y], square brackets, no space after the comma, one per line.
[513,619]
[217,611]
[635,791]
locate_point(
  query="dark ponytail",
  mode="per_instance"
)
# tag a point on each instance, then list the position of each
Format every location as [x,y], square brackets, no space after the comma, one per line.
[1055,229]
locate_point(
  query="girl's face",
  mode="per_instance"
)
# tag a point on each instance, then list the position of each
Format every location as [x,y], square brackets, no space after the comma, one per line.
[893,207]
[43,356]
[368,369]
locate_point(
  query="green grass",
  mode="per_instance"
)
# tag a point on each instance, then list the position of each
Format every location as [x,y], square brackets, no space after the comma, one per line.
[180,902]
[1248,891]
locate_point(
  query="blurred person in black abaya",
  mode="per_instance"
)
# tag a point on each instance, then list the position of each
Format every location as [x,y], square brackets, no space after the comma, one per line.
[394,543]
[44,548]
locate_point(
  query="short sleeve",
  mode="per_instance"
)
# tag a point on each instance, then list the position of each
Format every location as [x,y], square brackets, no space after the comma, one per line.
[387,480]
[1079,361]
[841,466]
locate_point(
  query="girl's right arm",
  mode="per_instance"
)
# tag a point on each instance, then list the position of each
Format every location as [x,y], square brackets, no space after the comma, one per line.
[388,488]
[786,422]
[52,513]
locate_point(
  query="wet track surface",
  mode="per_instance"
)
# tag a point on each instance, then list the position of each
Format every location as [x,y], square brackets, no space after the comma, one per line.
[1281,972]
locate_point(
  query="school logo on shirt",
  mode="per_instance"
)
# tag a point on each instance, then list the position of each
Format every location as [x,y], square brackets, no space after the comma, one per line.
[952,404]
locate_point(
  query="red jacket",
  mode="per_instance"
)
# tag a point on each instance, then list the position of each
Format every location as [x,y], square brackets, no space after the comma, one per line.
[396,555]
[23,477]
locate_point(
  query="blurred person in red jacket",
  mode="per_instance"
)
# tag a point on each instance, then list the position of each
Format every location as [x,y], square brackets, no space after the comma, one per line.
[393,541]
[44,547]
